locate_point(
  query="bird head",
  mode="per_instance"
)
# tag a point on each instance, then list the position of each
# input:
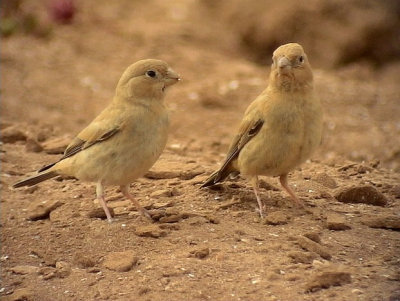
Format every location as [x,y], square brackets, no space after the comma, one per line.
[146,79]
[291,70]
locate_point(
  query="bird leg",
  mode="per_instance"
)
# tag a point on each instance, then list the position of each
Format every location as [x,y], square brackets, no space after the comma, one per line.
[125,192]
[102,201]
[284,182]
[254,183]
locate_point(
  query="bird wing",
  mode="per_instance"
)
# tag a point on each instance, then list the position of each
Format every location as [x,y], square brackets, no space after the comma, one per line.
[247,130]
[94,133]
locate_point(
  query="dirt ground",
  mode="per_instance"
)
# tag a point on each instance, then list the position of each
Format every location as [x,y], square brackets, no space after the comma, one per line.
[208,244]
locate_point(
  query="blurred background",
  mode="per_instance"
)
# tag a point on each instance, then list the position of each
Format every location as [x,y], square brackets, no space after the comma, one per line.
[61,60]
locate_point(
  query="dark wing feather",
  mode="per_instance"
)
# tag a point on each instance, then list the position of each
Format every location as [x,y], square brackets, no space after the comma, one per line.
[237,147]
[246,133]
[78,145]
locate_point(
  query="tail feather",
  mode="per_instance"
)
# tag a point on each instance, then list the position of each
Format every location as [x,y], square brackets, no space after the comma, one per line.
[36,179]
[216,177]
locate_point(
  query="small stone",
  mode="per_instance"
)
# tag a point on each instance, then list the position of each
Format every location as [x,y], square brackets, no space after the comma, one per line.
[302,257]
[57,145]
[336,222]
[200,253]
[31,189]
[312,246]
[327,279]
[125,203]
[314,236]
[24,269]
[98,212]
[120,261]
[161,193]
[162,174]
[357,291]
[382,222]
[396,191]
[143,290]
[48,273]
[12,134]
[33,146]
[174,218]
[276,218]
[325,180]
[362,194]
[21,294]
[41,209]
[84,261]
[158,205]
[191,173]
[63,269]
[93,270]
[150,231]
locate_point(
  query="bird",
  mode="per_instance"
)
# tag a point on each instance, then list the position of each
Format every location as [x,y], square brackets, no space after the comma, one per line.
[280,129]
[124,140]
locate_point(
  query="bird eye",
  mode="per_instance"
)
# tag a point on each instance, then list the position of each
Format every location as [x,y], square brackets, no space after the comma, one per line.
[301,59]
[151,73]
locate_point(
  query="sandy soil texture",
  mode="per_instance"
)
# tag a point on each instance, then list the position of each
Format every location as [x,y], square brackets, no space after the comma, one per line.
[207,244]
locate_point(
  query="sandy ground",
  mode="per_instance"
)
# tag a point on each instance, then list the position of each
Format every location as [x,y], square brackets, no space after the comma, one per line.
[207,244]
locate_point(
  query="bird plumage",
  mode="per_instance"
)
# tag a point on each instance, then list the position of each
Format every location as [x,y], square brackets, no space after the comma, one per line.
[281,128]
[125,139]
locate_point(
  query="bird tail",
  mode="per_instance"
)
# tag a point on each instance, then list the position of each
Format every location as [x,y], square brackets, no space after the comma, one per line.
[217,176]
[36,179]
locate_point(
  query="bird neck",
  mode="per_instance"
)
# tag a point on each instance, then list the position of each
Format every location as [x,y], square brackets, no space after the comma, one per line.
[292,82]
[145,102]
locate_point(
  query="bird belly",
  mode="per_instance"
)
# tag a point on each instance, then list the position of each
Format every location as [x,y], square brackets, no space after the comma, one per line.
[271,154]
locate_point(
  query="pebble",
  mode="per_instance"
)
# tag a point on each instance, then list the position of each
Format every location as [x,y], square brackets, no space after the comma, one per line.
[336,222]
[33,146]
[302,257]
[84,261]
[276,218]
[98,212]
[314,236]
[327,279]
[63,269]
[57,145]
[362,194]
[200,253]
[41,209]
[150,231]
[21,294]
[312,246]
[325,180]
[120,261]
[12,134]
[382,222]
[24,269]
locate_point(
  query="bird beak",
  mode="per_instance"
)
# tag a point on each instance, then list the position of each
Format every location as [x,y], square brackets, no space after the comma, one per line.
[284,63]
[171,78]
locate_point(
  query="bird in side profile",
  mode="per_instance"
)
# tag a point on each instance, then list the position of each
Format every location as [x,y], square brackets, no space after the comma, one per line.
[280,128]
[125,140]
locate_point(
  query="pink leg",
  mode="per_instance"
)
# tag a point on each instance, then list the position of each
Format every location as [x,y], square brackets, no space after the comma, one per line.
[254,183]
[125,192]
[100,197]
[284,182]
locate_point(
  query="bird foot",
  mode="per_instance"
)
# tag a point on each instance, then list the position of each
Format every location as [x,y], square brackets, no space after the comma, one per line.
[261,211]
[145,213]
